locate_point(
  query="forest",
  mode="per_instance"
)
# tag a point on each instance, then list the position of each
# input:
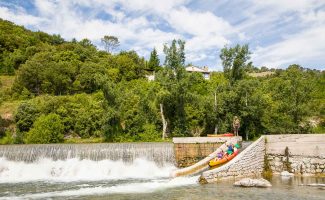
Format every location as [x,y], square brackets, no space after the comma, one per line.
[55,91]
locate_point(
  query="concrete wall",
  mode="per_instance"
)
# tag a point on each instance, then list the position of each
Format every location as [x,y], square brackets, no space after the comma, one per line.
[248,163]
[306,157]
[190,150]
[202,165]
[306,153]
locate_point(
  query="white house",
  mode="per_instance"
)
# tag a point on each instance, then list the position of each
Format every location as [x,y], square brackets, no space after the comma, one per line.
[204,71]
[191,69]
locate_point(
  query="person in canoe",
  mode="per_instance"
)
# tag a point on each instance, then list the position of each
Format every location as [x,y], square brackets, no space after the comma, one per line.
[230,149]
[236,147]
[220,155]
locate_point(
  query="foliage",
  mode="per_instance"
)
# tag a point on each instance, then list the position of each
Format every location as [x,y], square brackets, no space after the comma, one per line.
[110,43]
[25,116]
[154,61]
[292,103]
[7,138]
[46,129]
[234,61]
[94,96]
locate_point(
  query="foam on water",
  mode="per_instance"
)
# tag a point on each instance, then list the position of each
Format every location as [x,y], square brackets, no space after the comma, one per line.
[143,187]
[80,170]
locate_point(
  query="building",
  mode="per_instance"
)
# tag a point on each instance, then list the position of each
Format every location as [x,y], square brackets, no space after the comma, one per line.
[191,69]
[204,71]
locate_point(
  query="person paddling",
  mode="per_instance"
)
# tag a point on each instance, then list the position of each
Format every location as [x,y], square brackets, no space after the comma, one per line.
[220,155]
[230,149]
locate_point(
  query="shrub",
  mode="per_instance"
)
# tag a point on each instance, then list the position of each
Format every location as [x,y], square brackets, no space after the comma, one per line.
[46,129]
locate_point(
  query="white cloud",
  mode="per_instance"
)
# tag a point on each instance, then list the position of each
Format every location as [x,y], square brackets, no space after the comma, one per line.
[307,45]
[20,17]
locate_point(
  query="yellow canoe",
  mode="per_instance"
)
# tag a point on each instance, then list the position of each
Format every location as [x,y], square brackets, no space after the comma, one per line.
[225,159]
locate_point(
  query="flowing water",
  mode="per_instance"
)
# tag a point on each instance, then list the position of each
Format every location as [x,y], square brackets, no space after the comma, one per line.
[121,171]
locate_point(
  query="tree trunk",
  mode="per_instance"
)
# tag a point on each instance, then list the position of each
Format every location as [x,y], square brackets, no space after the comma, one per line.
[164,121]
[216,129]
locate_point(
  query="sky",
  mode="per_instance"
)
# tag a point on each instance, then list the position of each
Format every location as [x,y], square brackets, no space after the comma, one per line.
[279,32]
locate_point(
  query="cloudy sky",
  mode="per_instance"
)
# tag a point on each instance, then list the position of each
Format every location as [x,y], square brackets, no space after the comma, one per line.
[279,32]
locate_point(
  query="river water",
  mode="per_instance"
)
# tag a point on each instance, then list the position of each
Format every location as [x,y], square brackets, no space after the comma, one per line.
[51,173]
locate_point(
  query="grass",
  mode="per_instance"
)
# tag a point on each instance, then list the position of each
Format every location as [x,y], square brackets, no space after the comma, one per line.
[319,129]
[8,108]
[6,82]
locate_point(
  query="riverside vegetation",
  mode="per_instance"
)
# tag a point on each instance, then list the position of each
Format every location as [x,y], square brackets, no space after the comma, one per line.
[55,91]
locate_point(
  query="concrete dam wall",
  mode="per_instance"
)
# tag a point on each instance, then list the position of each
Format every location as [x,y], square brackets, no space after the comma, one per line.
[305,153]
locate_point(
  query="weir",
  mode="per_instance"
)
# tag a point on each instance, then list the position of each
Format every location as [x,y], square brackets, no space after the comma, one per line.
[160,153]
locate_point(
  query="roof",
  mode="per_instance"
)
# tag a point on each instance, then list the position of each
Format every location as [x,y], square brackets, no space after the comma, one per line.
[196,69]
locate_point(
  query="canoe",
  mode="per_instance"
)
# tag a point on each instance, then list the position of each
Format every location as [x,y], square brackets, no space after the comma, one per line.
[221,135]
[225,159]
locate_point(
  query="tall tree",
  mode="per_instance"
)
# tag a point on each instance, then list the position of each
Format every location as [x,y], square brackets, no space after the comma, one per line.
[110,43]
[173,80]
[154,60]
[175,58]
[234,61]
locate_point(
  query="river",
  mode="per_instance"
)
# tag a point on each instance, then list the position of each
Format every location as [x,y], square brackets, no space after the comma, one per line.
[59,172]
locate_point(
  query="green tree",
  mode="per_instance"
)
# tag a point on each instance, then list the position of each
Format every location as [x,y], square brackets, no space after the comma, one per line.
[110,43]
[46,129]
[154,62]
[292,102]
[234,61]
[25,116]
[173,80]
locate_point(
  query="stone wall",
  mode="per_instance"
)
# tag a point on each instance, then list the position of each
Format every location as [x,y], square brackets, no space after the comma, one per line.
[190,150]
[306,153]
[248,163]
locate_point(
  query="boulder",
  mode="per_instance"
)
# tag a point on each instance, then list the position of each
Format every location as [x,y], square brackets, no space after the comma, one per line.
[286,174]
[248,182]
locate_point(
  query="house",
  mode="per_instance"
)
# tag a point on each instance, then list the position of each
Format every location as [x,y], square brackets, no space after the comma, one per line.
[191,69]
[204,71]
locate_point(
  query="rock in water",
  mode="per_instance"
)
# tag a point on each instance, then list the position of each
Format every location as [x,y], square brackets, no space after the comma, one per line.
[316,185]
[286,174]
[248,182]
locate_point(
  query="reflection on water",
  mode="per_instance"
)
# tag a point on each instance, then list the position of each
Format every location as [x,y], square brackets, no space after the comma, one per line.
[162,188]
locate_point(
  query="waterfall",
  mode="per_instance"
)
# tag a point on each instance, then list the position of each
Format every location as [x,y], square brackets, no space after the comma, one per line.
[160,153]
[85,162]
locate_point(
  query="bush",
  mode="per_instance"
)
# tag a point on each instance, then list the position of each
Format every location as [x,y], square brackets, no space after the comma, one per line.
[46,129]
[8,138]
[25,116]
[150,134]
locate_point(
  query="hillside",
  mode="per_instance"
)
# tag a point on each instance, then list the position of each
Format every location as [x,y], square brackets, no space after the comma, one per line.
[53,90]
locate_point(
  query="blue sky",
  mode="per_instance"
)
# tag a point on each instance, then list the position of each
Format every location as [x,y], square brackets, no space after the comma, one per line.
[279,32]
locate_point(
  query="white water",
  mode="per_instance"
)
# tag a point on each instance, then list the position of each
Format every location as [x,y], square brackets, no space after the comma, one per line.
[90,177]
[80,170]
[146,187]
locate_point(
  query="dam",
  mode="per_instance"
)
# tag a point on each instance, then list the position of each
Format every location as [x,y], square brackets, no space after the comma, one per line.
[73,171]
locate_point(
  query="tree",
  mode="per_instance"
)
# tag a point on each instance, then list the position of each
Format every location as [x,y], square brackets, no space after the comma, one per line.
[154,62]
[46,129]
[172,78]
[175,58]
[292,103]
[25,116]
[234,61]
[110,43]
